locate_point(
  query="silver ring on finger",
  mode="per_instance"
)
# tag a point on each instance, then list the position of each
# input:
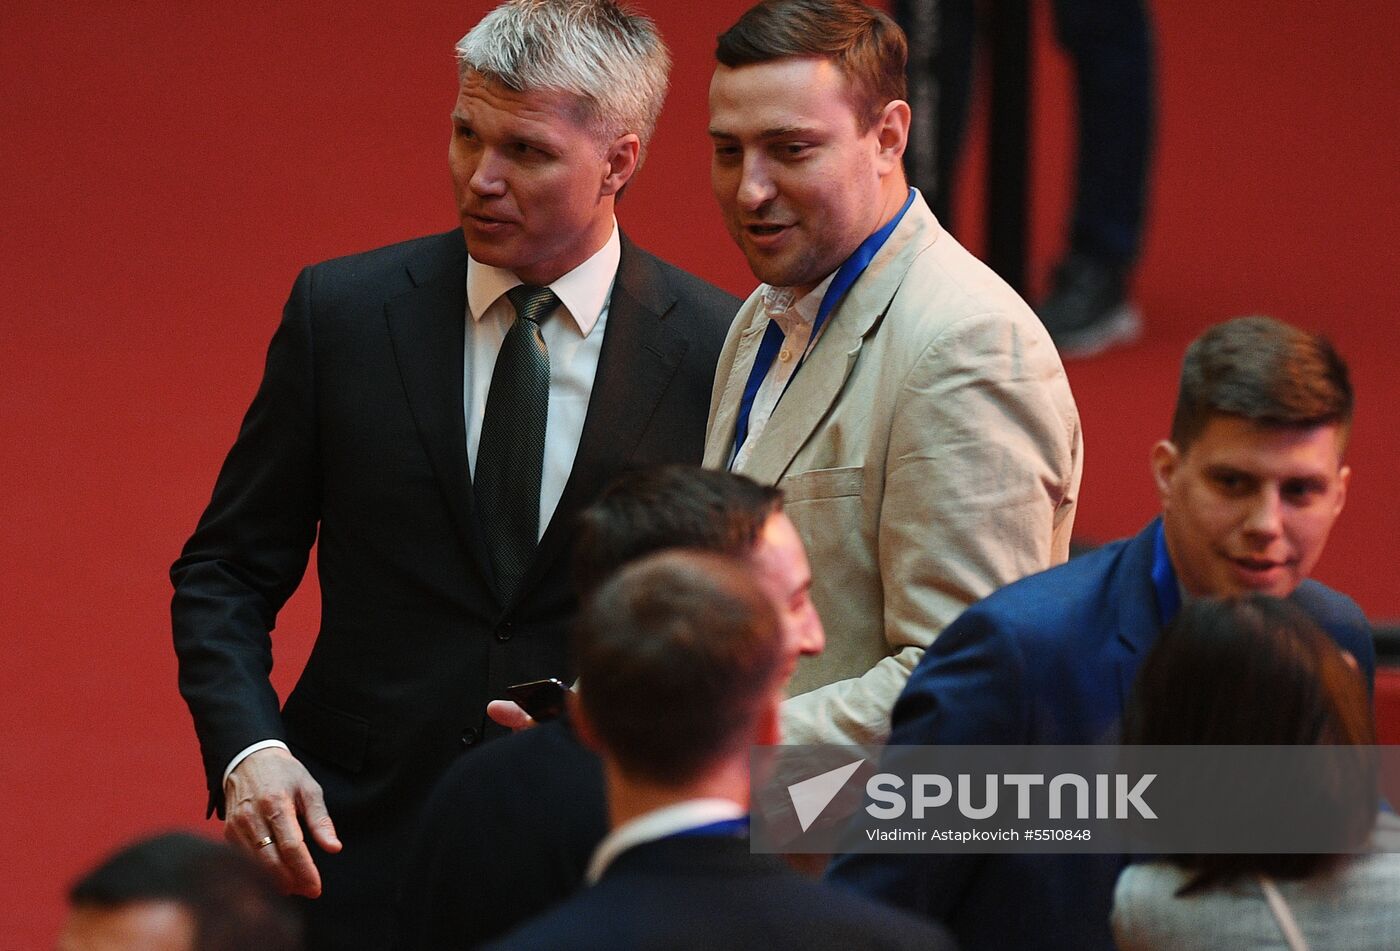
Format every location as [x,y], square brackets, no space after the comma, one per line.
[264,842]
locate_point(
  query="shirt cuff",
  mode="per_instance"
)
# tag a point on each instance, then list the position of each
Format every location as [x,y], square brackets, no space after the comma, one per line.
[260,745]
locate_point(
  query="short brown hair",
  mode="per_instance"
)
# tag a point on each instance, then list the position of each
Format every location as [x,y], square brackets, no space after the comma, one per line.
[676,654]
[865,44]
[1264,371]
[674,506]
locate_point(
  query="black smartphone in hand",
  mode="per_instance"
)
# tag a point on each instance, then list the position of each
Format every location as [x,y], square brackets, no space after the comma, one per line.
[543,699]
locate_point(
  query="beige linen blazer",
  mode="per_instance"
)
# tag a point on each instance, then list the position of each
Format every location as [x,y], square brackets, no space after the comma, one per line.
[930,452]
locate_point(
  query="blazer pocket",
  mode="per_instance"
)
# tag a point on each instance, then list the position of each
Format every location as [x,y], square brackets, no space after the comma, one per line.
[332,735]
[823,484]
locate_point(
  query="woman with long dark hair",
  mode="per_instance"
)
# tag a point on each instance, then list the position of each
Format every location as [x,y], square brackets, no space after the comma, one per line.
[1257,671]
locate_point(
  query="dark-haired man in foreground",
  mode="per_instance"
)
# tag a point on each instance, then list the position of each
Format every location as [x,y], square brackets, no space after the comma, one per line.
[178,892]
[682,666]
[1251,481]
[468,880]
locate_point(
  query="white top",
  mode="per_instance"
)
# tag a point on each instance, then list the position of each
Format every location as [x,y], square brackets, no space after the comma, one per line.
[1355,907]
[574,335]
[795,318]
[658,824]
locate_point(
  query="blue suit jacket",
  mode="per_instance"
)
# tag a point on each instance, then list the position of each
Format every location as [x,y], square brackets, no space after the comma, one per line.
[1050,659]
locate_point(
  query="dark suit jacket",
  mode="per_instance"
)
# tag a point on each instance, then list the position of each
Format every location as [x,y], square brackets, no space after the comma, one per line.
[1050,659]
[357,433]
[707,892]
[467,881]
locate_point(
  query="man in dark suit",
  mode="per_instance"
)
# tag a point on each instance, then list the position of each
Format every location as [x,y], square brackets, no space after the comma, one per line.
[1251,482]
[682,664]
[466,881]
[433,414]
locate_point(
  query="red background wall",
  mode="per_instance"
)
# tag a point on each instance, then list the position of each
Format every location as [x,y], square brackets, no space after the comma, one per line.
[166,169]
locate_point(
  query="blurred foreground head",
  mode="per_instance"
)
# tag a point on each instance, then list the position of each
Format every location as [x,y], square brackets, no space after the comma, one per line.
[178,892]
[681,660]
[677,506]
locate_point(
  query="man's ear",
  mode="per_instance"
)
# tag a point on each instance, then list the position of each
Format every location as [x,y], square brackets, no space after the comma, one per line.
[892,135]
[620,163]
[1164,460]
[583,726]
[1343,478]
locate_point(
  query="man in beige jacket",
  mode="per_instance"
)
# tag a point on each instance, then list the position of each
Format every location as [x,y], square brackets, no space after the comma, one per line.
[909,404]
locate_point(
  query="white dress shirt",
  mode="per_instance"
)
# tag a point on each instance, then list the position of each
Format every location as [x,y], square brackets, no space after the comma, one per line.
[795,317]
[658,824]
[574,335]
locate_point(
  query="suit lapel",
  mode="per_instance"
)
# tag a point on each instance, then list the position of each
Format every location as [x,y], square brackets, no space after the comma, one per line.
[823,374]
[639,357]
[811,393]
[1138,614]
[427,327]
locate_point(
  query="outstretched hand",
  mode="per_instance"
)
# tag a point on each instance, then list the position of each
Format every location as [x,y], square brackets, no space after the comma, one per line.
[267,799]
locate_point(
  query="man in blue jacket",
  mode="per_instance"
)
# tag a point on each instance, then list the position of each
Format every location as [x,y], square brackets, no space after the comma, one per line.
[1251,482]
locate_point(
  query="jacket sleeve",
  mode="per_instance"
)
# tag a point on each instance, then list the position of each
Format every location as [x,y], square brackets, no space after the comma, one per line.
[249,552]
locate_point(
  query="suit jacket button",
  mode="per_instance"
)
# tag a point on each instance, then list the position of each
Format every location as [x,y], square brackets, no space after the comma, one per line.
[470,736]
[504,632]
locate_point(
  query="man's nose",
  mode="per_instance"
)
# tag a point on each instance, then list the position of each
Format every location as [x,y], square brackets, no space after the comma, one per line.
[813,640]
[1265,516]
[487,178]
[756,186]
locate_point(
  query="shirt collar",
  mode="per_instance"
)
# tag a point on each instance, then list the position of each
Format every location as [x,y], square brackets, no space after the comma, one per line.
[582,292]
[779,303]
[658,824]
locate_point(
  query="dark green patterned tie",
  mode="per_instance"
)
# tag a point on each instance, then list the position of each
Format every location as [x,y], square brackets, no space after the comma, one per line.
[510,455]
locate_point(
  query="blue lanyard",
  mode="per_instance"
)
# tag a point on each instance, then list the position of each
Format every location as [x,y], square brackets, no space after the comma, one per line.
[730,828]
[849,272]
[1164,578]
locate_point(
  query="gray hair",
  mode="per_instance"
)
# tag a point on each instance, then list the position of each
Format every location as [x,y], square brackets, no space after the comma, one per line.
[611,58]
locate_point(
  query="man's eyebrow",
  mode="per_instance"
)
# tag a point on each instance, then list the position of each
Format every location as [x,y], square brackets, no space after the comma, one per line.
[781,132]
[777,132]
[459,119]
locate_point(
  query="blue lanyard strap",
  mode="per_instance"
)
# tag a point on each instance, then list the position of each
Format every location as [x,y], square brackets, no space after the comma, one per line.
[846,276]
[729,828]
[856,264]
[1164,578]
